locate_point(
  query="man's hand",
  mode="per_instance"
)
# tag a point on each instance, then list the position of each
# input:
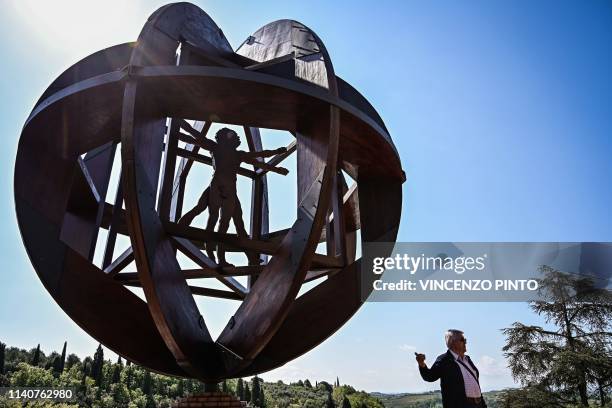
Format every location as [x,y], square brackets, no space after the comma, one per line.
[420,358]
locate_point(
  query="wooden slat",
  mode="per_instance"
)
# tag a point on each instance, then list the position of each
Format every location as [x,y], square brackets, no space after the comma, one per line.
[231,240]
[201,273]
[318,273]
[107,219]
[225,294]
[115,218]
[180,179]
[167,182]
[197,290]
[121,262]
[339,219]
[194,253]
[326,261]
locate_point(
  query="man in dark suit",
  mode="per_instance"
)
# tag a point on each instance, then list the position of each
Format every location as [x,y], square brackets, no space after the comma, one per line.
[457,374]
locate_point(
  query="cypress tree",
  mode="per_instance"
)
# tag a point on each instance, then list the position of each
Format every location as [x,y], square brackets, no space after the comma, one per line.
[224,386]
[57,367]
[337,382]
[146,383]
[180,390]
[307,383]
[63,358]
[97,364]
[36,358]
[117,371]
[329,403]
[2,348]
[128,379]
[256,393]
[247,393]
[262,396]
[240,390]
[346,403]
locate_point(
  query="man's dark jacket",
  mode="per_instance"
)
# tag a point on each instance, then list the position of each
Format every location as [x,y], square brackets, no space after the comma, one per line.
[447,370]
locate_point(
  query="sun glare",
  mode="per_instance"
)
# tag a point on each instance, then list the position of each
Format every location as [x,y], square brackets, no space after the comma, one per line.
[77,28]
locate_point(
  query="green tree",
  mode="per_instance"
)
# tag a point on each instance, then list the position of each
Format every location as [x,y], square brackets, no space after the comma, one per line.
[256,392]
[572,361]
[72,360]
[36,358]
[180,390]
[31,376]
[346,403]
[247,393]
[121,395]
[329,402]
[63,358]
[307,383]
[97,365]
[224,386]
[117,371]
[240,390]
[146,383]
[324,385]
[2,348]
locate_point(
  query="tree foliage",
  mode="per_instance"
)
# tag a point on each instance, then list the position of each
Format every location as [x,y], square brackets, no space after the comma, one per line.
[570,362]
[100,383]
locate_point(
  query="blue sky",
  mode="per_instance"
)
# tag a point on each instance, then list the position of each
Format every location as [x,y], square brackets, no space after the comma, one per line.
[501,113]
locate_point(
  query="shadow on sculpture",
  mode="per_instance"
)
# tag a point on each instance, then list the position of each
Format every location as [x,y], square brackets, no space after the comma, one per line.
[221,196]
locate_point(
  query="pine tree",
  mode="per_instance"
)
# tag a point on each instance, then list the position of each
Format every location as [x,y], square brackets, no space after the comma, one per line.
[247,393]
[240,390]
[224,386]
[564,362]
[36,358]
[97,365]
[2,348]
[337,382]
[346,403]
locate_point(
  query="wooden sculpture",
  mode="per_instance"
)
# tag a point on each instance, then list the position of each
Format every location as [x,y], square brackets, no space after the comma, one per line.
[140,96]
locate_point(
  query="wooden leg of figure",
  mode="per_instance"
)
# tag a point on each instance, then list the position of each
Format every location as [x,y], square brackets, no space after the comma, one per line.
[200,207]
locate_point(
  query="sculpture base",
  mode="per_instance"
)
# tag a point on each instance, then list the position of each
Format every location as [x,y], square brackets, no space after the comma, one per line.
[210,400]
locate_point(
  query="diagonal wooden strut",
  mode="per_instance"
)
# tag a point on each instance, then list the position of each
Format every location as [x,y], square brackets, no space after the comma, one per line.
[194,253]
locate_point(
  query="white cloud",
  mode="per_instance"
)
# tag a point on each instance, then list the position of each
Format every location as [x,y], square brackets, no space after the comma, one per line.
[407,348]
[491,367]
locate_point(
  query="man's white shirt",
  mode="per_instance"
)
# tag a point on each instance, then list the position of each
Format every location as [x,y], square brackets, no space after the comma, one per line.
[472,389]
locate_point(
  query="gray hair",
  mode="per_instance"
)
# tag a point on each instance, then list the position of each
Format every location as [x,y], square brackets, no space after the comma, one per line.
[451,336]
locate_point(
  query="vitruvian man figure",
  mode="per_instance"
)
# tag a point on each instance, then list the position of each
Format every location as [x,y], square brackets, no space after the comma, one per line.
[221,194]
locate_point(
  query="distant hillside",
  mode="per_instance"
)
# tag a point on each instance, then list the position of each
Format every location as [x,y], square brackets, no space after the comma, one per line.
[427,400]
